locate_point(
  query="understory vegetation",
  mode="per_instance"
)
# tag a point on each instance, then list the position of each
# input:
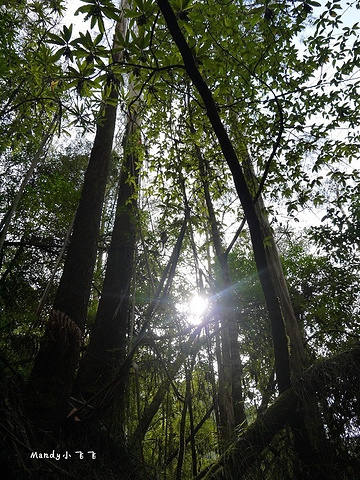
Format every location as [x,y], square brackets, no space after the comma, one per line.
[179,240]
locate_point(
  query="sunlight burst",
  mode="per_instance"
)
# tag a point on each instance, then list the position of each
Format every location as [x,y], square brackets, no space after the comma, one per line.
[198,305]
[194,309]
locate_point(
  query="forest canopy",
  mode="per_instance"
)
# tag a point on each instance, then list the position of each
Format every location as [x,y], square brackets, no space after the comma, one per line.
[179,239]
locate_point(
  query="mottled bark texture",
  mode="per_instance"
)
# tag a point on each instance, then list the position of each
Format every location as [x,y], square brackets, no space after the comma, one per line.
[50,382]
[107,347]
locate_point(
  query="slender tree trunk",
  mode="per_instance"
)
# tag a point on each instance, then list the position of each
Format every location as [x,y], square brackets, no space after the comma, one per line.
[5,222]
[231,403]
[193,345]
[281,351]
[298,359]
[192,438]
[52,276]
[182,437]
[174,454]
[223,401]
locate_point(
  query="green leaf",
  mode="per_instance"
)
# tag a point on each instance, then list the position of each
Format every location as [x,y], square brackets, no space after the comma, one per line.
[55,39]
[67,33]
[58,54]
[313,3]
[113,14]
[84,9]
[188,28]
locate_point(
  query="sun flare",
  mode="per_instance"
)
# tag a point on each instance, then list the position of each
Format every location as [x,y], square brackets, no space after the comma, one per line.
[194,309]
[198,305]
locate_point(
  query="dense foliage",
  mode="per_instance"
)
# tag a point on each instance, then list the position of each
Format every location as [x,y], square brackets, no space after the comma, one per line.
[176,388]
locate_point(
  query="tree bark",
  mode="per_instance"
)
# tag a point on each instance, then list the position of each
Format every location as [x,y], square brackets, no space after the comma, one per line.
[116,384]
[50,382]
[306,426]
[107,347]
[51,379]
[298,358]
[231,402]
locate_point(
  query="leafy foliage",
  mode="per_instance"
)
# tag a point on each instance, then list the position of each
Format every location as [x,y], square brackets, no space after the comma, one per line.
[284,79]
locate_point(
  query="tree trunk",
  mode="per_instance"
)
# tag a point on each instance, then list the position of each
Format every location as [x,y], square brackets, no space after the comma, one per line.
[5,222]
[50,383]
[174,454]
[281,351]
[306,426]
[52,276]
[298,358]
[193,344]
[182,437]
[247,449]
[231,403]
[107,347]
[245,452]
[106,395]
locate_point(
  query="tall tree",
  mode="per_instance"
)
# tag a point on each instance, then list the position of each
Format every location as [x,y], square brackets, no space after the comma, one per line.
[50,383]
[110,333]
[262,87]
[278,328]
[231,404]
